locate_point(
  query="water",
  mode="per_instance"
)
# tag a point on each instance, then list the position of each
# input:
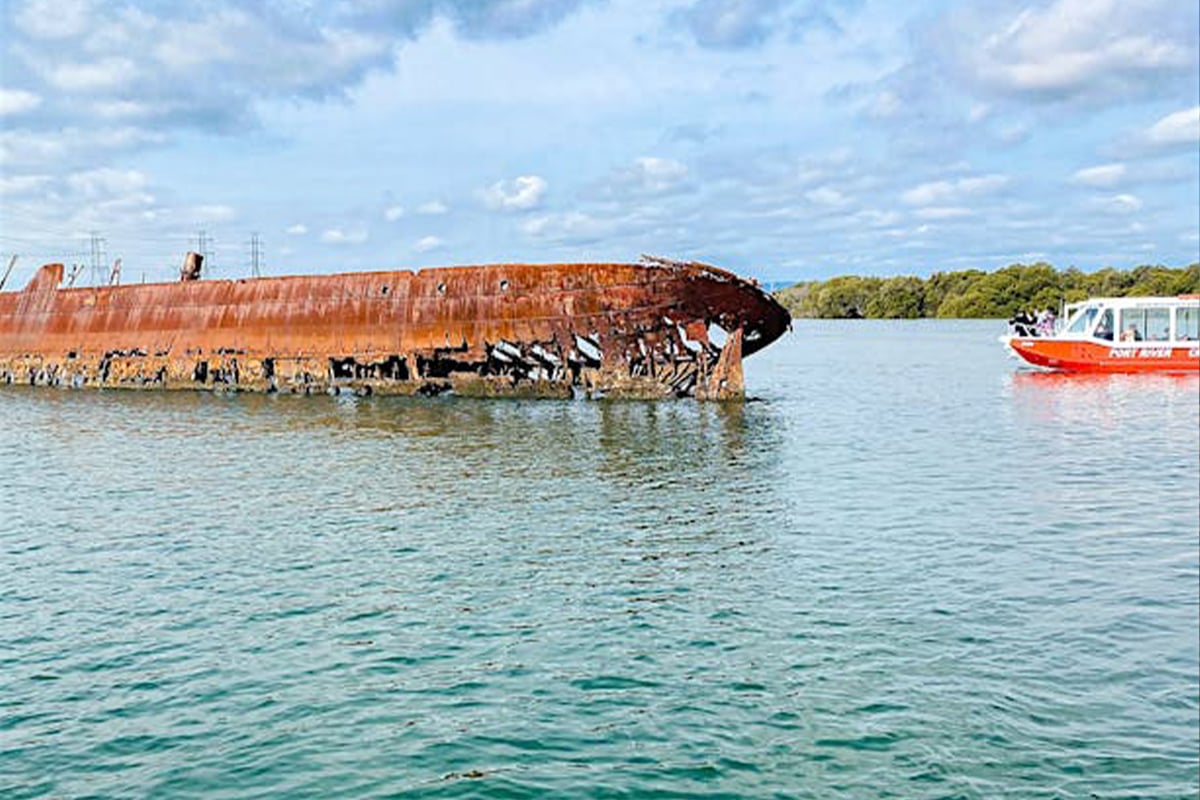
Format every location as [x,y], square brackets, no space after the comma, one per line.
[909,571]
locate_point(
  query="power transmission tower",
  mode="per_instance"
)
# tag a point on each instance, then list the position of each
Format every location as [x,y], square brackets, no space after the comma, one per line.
[99,273]
[255,255]
[202,246]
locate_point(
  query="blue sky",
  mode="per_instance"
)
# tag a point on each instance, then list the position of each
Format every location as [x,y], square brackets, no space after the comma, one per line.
[784,140]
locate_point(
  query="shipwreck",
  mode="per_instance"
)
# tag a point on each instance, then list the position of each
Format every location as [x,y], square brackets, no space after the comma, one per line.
[654,329]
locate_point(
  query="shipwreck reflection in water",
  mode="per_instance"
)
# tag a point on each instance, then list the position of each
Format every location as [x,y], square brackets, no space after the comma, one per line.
[674,453]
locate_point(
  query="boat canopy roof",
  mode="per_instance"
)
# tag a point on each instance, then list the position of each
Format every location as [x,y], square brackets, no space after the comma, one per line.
[1137,318]
[1134,302]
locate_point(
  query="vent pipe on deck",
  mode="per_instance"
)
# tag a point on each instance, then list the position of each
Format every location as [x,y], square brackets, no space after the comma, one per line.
[190,271]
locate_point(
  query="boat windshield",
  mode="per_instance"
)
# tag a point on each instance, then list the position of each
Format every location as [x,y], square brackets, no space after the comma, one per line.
[1082,321]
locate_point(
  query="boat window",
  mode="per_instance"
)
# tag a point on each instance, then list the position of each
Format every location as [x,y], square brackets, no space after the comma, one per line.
[1104,328]
[1083,320]
[1187,324]
[1158,325]
[1145,324]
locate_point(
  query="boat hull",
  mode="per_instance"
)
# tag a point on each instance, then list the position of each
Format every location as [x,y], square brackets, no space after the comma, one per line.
[1069,355]
[637,330]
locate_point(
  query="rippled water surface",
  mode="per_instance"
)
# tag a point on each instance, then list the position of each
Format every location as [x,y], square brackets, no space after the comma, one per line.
[909,570]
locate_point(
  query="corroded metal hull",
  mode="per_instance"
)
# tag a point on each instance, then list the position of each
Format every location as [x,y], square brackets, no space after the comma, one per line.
[633,330]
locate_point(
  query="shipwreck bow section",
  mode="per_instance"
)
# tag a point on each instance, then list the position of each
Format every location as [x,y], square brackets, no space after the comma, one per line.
[654,329]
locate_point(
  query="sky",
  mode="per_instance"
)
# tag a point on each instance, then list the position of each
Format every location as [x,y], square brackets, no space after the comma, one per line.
[783,140]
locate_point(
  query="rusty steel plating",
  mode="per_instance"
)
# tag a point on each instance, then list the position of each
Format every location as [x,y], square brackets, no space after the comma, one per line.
[621,330]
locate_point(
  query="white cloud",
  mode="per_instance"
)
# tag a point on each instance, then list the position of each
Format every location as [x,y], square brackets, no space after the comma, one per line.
[106,197]
[356,235]
[27,149]
[825,196]
[885,105]
[1076,47]
[657,175]
[837,165]
[427,243]
[108,73]
[877,218]
[54,19]
[106,182]
[433,208]
[520,194]
[1118,204]
[646,176]
[1181,127]
[1014,132]
[1102,176]
[215,64]
[17,101]
[982,184]
[736,24]
[978,112]
[185,44]
[64,147]
[120,109]
[943,212]
[572,226]
[1057,71]
[929,193]
[949,192]
[255,85]
[22,184]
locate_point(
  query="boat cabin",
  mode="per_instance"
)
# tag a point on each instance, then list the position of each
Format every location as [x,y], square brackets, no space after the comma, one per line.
[1134,319]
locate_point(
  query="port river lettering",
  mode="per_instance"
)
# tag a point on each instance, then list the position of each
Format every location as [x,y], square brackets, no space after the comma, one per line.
[1148,352]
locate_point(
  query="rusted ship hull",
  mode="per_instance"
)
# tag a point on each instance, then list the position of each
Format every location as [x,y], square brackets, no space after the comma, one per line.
[632,330]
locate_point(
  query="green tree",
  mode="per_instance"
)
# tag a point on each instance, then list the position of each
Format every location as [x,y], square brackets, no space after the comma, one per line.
[942,285]
[844,297]
[897,298]
[974,293]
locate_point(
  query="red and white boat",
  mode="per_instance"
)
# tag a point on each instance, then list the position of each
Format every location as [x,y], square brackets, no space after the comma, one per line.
[1119,334]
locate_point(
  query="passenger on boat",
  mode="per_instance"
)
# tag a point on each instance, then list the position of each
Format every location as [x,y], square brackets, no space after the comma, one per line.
[1131,334]
[1045,323]
[1102,330]
[1023,323]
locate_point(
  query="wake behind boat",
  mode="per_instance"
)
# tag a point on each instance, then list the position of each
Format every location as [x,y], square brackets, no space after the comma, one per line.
[1118,334]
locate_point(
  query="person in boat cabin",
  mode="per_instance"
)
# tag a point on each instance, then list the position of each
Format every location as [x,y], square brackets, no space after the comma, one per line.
[1104,328]
[1131,334]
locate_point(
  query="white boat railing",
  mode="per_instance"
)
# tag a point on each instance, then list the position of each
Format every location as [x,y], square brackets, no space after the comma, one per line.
[1113,308]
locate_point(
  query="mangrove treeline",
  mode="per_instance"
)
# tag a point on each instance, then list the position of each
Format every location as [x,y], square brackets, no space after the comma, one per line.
[976,294]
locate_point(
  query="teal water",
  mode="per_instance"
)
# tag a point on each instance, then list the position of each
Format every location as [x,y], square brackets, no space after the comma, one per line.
[909,570]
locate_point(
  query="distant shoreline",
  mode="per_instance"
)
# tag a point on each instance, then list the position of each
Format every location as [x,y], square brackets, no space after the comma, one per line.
[975,294]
